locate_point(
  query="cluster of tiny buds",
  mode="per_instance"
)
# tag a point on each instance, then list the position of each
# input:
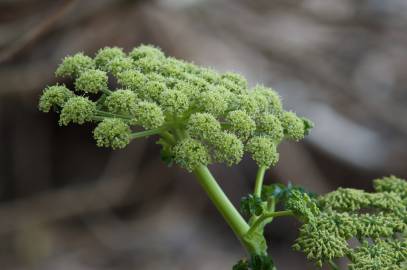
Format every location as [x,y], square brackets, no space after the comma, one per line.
[377,220]
[201,115]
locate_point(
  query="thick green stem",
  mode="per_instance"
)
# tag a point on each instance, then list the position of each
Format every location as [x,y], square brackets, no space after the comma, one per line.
[222,202]
[259,181]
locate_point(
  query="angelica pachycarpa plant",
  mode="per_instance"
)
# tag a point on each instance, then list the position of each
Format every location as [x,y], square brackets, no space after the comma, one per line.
[200,117]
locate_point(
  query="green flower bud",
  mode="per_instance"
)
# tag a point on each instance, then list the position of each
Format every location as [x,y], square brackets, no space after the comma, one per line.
[203,126]
[152,91]
[105,55]
[228,148]
[149,115]
[345,199]
[381,254]
[113,133]
[147,65]
[120,64]
[146,51]
[155,77]
[274,104]
[171,82]
[188,89]
[270,125]
[77,110]
[91,81]
[172,68]
[54,96]
[376,226]
[320,245]
[131,79]
[210,75]
[245,103]
[199,83]
[293,126]
[122,102]
[190,154]
[240,123]
[74,65]
[391,184]
[237,79]
[174,102]
[302,205]
[263,151]
[212,102]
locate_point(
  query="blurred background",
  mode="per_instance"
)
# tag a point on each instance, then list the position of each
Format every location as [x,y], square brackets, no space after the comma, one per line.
[67,205]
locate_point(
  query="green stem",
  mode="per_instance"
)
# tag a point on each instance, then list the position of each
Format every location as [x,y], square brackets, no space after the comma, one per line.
[259,181]
[98,118]
[222,202]
[266,216]
[109,114]
[105,91]
[168,137]
[146,133]
[333,265]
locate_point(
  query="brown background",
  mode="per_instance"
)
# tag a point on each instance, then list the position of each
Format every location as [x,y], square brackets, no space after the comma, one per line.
[66,204]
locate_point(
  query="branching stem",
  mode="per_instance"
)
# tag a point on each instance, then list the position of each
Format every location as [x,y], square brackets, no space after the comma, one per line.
[266,216]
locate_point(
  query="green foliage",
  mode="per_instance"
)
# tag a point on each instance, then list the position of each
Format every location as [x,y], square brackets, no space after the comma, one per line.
[251,205]
[256,262]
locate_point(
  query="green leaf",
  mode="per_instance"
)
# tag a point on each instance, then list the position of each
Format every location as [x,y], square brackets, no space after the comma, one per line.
[241,265]
[308,125]
[251,205]
[261,262]
[166,154]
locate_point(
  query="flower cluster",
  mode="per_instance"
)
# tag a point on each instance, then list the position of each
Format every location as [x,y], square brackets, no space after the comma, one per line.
[378,220]
[200,115]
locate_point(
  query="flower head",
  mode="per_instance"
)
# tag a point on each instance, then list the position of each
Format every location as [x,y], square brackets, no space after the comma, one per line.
[176,100]
[77,110]
[54,97]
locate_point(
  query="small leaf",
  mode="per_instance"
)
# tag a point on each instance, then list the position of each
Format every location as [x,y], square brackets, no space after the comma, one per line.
[166,155]
[261,262]
[251,205]
[241,265]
